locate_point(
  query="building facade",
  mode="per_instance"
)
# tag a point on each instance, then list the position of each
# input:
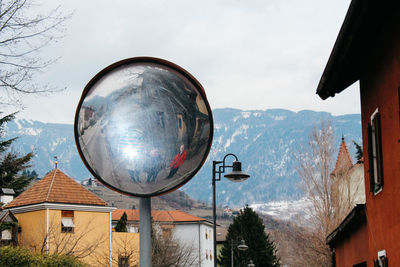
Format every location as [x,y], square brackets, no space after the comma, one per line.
[368,50]
[191,232]
[58,215]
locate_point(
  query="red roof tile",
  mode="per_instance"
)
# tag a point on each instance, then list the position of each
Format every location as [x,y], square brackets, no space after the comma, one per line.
[56,187]
[158,216]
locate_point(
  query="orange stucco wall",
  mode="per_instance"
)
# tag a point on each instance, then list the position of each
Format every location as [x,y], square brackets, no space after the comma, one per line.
[33,229]
[379,89]
[90,240]
[353,249]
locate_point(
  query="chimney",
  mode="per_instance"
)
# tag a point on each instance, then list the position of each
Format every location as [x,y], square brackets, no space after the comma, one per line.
[6,195]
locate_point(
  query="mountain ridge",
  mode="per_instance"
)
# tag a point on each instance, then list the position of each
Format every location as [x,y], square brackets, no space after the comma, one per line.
[263,140]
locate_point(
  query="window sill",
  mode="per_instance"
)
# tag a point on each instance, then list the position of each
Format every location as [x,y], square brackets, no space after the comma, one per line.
[377,191]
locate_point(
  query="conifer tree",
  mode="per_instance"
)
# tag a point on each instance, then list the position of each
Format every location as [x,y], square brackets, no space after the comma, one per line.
[249,227]
[12,165]
[359,151]
[121,224]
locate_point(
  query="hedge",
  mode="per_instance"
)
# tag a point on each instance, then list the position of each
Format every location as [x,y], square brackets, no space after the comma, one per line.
[21,257]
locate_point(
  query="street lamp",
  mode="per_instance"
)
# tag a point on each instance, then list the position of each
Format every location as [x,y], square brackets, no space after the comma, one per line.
[242,246]
[235,176]
[251,264]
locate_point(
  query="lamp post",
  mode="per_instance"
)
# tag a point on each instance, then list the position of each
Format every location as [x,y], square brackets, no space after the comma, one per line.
[235,176]
[242,246]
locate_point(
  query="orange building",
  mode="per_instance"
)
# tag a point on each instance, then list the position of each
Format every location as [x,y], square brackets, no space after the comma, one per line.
[58,215]
[367,50]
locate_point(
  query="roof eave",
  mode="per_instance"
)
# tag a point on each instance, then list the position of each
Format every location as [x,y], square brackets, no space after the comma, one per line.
[354,219]
[356,37]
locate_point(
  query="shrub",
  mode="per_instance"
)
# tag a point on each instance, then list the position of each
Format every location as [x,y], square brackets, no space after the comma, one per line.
[21,257]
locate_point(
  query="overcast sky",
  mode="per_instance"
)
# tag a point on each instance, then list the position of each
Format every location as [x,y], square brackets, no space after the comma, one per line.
[250,55]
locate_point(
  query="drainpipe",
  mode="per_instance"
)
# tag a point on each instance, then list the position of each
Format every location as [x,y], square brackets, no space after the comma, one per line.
[47,231]
[199,247]
[110,239]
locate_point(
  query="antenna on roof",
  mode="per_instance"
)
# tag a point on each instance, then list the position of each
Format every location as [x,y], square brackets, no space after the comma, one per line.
[56,161]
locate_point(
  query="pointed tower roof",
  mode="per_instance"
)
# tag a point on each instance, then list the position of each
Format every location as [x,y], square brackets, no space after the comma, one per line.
[56,187]
[343,162]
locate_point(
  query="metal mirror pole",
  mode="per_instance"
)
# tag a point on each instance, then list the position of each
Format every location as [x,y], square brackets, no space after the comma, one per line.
[145,231]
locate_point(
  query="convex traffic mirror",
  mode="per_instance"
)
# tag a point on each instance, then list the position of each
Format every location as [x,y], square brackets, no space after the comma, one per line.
[143,126]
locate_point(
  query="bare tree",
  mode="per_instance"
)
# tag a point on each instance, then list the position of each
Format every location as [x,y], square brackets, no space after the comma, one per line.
[324,191]
[23,35]
[169,252]
[125,251]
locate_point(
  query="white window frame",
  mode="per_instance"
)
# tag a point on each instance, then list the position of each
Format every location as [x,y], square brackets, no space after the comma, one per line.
[378,185]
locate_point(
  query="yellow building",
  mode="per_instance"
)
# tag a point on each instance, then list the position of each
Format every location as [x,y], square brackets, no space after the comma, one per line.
[58,215]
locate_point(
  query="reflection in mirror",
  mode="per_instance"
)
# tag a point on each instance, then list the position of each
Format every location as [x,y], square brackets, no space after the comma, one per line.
[143,128]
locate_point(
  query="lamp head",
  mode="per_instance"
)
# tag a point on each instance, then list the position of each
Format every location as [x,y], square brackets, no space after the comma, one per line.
[242,246]
[251,264]
[237,175]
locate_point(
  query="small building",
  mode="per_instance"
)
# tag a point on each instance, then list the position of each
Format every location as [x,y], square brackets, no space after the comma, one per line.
[190,231]
[8,228]
[367,50]
[6,195]
[58,215]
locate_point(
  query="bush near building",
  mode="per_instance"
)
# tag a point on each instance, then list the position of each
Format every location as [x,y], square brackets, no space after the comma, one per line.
[16,256]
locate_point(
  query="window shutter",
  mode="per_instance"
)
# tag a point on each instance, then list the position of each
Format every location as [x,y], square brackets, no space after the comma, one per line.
[377,125]
[370,159]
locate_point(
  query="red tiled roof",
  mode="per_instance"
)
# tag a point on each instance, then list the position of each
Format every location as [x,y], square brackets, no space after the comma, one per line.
[343,162]
[56,187]
[158,216]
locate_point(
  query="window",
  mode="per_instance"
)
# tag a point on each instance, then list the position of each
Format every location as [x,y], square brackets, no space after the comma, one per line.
[67,221]
[375,153]
[123,261]
[398,95]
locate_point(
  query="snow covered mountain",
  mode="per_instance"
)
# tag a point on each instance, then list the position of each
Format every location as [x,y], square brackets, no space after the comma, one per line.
[264,142]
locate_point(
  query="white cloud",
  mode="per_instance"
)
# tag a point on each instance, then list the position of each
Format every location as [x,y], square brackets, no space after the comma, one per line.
[246,54]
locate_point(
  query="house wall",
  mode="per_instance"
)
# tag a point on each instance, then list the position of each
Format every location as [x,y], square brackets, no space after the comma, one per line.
[90,239]
[91,235]
[199,237]
[33,229]
[354,249]
[379,89]
[352,188]
[125,244]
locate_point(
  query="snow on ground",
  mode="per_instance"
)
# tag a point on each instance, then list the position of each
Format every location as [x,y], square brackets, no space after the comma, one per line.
[284,210]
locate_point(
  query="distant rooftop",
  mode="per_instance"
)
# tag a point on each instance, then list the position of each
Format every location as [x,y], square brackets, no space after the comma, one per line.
[343,162]
[169,216]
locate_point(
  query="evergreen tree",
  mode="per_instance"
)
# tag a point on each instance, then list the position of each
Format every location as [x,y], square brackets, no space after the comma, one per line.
[12,165]
[359,151]
[249,227]
[121,224]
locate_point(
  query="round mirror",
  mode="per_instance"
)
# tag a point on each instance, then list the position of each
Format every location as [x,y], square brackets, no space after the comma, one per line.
[143,126]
